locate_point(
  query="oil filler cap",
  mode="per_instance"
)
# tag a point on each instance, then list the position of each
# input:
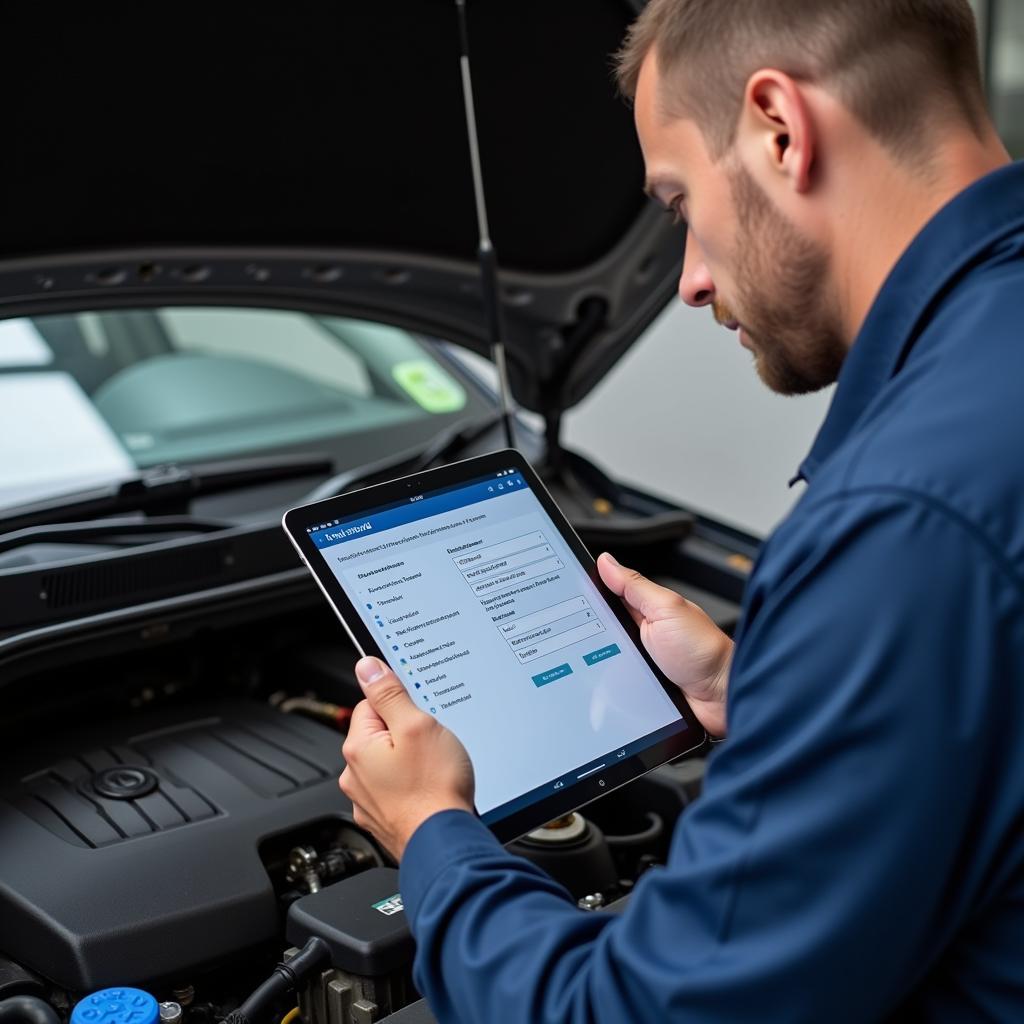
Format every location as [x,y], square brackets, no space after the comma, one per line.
[117,1006]
[125,782]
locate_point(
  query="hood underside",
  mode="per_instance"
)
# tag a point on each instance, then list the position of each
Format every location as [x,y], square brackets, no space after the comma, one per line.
[315,156]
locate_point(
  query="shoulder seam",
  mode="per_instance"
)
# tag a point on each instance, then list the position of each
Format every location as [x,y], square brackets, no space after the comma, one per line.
[948,512]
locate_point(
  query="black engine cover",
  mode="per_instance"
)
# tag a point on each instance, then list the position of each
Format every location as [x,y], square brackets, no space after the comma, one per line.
[129,850]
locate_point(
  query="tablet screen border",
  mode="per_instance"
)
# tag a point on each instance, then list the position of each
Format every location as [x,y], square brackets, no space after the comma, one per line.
[353,504]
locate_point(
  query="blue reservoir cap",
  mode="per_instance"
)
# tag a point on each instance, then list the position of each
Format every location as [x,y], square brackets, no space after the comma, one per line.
[117,1006]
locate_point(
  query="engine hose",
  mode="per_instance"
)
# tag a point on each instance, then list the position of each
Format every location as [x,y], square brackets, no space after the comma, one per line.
[27,1010]
[286,978]
[323,711]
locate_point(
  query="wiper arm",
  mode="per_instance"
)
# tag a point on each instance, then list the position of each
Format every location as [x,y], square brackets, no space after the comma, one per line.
[105,529]
[163,490]
[438,449]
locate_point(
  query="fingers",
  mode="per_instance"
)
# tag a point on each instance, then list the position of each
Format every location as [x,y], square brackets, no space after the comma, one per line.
[350,787]
[365,722]
[365,728]
[385,693]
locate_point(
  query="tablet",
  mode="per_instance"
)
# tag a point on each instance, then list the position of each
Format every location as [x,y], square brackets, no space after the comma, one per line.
[471,584]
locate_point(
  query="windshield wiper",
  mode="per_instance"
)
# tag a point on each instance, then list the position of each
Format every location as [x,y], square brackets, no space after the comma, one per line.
[162,490]
[438,450]
[107,531]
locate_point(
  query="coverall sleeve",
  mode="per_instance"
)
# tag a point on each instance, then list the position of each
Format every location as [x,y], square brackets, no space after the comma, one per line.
[816,879]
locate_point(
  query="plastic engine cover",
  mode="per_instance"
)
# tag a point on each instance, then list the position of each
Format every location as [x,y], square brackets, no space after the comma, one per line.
[130,849]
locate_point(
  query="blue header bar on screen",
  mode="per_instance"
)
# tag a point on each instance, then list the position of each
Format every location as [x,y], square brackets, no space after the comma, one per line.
[418,508]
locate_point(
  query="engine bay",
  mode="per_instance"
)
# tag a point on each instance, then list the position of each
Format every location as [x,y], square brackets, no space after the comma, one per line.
[172,823]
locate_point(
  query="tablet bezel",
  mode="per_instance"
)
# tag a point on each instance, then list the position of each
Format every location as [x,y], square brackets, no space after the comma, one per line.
[353,504]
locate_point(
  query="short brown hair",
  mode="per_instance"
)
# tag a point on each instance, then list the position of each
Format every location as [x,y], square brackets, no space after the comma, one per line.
[894,64]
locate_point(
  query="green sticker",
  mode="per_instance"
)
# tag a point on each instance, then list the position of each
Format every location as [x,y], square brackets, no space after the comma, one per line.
[392,905]
[429,386]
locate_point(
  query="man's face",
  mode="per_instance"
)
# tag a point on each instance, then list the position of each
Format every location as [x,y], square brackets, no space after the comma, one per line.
[744,258]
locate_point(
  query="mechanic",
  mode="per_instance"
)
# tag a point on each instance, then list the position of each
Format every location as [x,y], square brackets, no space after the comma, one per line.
[858,850]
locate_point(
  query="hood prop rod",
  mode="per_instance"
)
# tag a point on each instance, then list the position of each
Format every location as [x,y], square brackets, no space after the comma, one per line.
[486,256]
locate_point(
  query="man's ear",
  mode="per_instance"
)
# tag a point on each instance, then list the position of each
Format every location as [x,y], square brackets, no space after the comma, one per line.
[777,131]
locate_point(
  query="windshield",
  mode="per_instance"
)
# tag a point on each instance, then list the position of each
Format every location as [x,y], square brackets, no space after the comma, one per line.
[92,397]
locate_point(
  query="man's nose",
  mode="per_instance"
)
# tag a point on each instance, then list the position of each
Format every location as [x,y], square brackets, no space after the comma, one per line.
[695,285]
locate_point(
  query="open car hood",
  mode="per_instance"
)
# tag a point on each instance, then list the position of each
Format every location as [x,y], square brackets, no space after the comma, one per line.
[315,156]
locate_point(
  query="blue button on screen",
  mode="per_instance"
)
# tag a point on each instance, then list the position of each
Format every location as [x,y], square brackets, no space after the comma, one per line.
[552,674]
[602,655]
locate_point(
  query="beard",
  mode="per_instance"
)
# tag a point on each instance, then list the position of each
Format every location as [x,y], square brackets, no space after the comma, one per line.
[793,326]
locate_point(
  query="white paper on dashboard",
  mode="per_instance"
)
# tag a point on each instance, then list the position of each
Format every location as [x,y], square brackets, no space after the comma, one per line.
[22,345]
[52,439]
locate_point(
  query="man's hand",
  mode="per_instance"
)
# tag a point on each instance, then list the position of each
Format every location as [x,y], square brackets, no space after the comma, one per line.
[686,645]
[402,765]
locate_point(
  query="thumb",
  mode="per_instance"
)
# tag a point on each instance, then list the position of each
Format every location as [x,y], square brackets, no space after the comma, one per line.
[641,596]
[613,574]
[384,691]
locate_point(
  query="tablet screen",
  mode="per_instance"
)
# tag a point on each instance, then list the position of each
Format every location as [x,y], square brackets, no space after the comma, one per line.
[489,619]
